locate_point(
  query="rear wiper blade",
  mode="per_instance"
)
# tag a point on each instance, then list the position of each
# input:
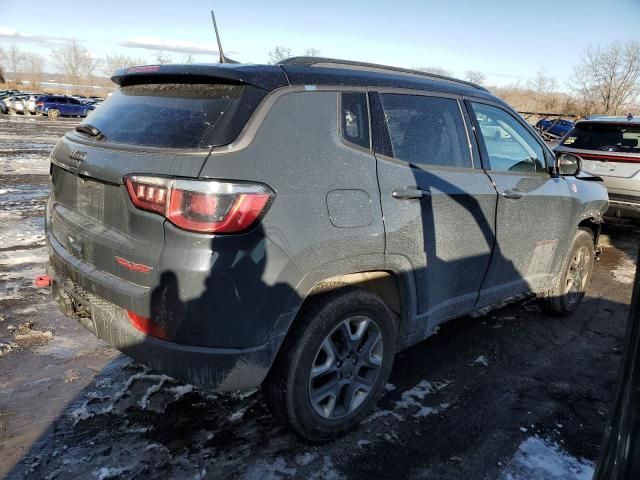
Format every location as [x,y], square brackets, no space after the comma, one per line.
[89,130]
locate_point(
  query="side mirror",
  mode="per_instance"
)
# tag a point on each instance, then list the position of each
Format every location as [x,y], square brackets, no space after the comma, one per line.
[568,164]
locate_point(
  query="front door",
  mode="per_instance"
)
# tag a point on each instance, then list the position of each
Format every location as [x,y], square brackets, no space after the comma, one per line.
[533,206]
[437,202]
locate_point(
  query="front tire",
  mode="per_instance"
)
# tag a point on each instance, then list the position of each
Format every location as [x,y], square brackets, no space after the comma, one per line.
[569,288]
[334,364]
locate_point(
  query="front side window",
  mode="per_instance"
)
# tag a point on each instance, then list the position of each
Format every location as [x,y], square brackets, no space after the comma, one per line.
[355,118]
[510,146]
[426,130]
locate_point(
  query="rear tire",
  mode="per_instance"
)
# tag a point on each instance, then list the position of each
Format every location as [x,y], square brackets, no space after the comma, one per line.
[569,288]
[53,114]
[333,365]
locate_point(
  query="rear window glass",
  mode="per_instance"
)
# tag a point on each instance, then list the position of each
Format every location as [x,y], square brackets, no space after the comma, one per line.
[165,115]
[604,137]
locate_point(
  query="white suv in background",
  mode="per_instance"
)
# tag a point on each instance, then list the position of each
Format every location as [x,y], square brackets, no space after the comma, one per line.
[610,149]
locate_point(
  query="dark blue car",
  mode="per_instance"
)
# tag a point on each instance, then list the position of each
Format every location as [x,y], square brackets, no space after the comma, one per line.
[557,128]
[55,106]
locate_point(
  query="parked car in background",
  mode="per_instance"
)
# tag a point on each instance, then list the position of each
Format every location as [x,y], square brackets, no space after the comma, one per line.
[191,257]
[55,106]
[610,148]
[14,104]
[4,108]
[554,128]
[29,102]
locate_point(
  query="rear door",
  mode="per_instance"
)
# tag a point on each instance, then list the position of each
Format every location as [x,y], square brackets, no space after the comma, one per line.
[533,207]
[75,107]
[438,205]
[61,104]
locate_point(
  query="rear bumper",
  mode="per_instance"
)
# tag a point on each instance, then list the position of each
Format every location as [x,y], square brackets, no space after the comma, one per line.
[217,369]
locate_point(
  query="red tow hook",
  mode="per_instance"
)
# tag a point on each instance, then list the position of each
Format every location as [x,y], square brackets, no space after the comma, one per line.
[43,281]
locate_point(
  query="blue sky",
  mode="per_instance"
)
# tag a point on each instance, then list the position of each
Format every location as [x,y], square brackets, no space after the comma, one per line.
[507,40]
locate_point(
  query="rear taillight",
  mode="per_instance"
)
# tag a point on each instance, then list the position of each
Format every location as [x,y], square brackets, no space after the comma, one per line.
[40,104]
[201,205]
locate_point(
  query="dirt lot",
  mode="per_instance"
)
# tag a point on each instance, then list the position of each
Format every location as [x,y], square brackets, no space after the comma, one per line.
[511,394]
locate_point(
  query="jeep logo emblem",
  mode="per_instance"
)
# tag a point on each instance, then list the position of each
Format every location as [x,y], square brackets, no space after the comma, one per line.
[78,155]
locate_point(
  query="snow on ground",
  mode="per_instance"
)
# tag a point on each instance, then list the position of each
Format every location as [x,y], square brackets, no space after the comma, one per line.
[625,271]
[541,459]
[25,164]
[481,360]
[416,401]
[18,270]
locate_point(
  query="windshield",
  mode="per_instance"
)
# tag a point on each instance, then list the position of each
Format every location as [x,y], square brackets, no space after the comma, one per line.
[604,137]
[164,115]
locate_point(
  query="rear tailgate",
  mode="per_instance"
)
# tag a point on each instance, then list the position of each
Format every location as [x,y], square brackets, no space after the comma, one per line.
[158,128]
[609,150]
[91,214]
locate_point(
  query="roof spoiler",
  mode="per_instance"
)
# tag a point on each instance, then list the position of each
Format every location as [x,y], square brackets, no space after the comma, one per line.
[261,76]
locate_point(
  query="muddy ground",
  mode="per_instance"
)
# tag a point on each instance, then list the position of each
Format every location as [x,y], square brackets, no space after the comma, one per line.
[485,397]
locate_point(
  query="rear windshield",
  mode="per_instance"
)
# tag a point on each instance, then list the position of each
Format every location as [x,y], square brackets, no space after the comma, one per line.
[171,115]
[604,137]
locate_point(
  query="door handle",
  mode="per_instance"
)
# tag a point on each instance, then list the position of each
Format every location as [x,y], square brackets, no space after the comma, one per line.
[513,194]
[409,193]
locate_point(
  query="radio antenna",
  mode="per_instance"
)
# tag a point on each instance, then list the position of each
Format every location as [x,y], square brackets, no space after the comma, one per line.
[215,27]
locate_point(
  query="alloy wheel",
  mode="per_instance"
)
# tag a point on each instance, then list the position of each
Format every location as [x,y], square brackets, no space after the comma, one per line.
[578,275]
[345,367]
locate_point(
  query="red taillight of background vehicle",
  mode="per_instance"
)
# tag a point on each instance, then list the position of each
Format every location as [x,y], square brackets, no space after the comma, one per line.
[201,205]
[39,104]
[146,325]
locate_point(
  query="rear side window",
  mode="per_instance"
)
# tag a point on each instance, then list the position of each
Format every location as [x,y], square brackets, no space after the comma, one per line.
[426,130]
[604,137]
[355,118]
[169,115]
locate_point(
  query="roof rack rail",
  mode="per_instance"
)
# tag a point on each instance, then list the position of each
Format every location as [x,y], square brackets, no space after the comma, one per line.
[371,67]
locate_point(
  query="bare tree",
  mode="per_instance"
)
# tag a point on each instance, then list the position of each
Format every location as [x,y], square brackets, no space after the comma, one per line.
[278,54]
[436,71]
[75,61]
[188,59]
[544,88]
[162,58]
[474,76]
[112,63]
[542,83]
[15,57]
[312,52]
[90,68]
[609,76]
[34,66]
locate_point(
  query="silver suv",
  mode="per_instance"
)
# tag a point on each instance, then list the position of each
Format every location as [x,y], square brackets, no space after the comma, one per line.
[610,148]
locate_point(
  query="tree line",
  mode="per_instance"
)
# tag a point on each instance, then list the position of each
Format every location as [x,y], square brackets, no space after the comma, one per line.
[605,80]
